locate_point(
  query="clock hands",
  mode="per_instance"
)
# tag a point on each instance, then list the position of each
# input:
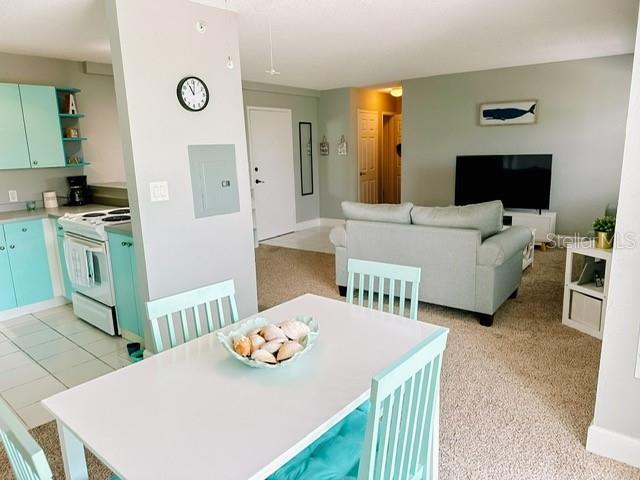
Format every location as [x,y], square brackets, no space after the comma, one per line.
[193,92]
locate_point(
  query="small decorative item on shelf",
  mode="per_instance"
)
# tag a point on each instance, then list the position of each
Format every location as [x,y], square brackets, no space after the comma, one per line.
[71,132]
[324,146]
[604,228]
[69,104]
[342,146]
[74,160]
[31,205]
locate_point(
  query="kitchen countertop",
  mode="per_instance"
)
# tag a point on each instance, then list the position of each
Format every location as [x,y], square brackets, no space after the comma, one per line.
[49,212]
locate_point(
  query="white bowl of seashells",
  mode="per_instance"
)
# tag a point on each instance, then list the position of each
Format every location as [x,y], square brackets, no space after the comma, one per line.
[261,344]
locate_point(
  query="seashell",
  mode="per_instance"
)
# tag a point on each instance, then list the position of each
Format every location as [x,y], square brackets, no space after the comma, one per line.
[271,332]
[295,329]
[256,342]
[288,350]
[273,346]
[255,331]
[263,356]
[242,346]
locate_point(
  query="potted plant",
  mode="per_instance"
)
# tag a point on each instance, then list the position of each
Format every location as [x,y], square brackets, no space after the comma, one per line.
[604,228]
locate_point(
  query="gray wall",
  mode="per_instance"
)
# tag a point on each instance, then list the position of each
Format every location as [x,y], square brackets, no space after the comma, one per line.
[615,431]
[581,121]
[176,251]
[338,180]
[97,101]
[304,108]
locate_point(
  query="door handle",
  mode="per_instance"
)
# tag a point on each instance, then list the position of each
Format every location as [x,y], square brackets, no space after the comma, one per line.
[362,174]
[259,181]
[12,247]
[1,248]
[24,229]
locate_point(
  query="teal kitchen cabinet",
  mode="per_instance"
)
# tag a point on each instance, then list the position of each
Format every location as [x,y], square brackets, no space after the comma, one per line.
[28,261]
[125,282]
[66,283]
[42,124]
[7,295]
[13,139]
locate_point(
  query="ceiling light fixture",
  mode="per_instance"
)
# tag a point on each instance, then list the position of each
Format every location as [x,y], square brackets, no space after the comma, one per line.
[272,71]
[396,92]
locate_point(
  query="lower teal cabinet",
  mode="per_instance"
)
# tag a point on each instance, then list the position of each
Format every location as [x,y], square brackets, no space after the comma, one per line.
[125,281]
[66,283]
[7,295]
[28,262]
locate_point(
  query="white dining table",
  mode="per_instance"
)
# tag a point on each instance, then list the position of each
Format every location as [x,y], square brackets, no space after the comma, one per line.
[194,411]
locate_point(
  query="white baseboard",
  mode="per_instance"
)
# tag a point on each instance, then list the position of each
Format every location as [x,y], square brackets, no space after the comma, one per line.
[33,308]
[617,446]
[319,222]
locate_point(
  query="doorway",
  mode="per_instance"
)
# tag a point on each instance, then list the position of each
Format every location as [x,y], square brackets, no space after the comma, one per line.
[368,156]
[391,166]
[271,159]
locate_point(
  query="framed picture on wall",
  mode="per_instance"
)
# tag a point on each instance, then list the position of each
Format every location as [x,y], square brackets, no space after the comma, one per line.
[520,112]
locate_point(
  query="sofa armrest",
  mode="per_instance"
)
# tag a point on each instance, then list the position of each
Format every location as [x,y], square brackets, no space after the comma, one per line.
[495,250]
[338,236]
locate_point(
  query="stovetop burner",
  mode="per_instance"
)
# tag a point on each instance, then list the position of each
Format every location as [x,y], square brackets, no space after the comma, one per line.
[117,218]
[94,214]
[119,211]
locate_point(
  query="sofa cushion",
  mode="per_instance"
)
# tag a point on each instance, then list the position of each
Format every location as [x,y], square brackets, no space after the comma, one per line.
[381,212]
[338,236]
[496,250]
[486,217]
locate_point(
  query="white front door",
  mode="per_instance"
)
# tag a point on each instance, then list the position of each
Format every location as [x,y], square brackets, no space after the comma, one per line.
[368,156]
[271,155]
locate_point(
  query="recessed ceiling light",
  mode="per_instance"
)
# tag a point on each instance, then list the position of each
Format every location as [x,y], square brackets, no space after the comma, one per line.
[201,27]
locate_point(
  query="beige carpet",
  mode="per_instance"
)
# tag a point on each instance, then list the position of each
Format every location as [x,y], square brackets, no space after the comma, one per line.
[517,398]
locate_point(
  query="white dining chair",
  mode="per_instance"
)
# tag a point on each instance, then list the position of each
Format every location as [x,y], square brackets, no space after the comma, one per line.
[27,459]
[379,280]
[189,307]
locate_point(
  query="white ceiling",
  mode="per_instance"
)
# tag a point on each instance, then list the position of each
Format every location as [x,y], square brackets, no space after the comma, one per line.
[325,44]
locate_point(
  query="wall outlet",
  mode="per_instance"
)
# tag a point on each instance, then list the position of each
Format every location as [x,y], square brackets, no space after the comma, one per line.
[159,191]
[13,196]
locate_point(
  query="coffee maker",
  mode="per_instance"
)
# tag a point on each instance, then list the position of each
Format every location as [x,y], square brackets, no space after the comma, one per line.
[78,190]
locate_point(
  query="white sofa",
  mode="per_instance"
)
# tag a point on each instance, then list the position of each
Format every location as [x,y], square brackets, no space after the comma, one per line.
[468,262]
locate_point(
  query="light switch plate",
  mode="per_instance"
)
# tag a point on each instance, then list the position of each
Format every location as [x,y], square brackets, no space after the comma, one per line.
[13,196]
[159,191]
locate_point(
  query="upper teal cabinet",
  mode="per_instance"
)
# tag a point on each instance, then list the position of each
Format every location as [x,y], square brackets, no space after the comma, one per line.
[30,131]
[13,139]
[42,124]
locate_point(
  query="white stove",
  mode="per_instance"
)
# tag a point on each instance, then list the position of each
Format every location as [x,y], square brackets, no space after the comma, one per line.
[92,224]
[88,263]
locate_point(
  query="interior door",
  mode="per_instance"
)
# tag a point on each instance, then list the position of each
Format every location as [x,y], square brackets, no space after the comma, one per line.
[368,156]
[271,155]
[397,120]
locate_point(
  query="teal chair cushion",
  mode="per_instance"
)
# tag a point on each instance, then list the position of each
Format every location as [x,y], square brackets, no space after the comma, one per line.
[334,456]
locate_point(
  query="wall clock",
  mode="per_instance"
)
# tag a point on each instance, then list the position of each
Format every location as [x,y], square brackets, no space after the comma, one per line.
[193,94]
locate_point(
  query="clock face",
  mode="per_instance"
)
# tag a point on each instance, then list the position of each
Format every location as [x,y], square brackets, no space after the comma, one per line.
[193,94]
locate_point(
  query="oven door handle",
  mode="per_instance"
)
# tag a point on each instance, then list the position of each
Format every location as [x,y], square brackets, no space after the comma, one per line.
[90,268]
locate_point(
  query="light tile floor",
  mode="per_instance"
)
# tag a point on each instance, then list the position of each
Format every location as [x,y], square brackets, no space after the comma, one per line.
[315,239]
[50,351]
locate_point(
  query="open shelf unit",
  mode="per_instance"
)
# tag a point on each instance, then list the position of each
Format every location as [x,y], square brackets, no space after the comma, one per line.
[585,303]
[72,145]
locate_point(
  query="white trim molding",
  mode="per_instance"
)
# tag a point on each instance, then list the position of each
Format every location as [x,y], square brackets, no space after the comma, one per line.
[615,445]
[33,308]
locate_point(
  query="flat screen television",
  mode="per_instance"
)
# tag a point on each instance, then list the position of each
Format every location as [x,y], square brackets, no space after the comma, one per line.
[520,181]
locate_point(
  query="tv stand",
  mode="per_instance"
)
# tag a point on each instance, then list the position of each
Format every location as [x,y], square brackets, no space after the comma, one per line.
[543,222]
